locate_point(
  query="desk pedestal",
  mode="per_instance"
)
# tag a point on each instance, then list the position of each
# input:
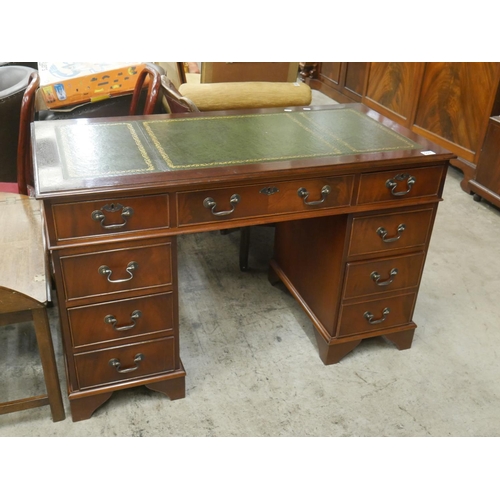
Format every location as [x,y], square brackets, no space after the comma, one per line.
[118,305]
[352,283]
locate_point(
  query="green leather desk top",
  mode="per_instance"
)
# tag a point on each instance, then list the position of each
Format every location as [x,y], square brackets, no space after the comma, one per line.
[230,140]
[69,150]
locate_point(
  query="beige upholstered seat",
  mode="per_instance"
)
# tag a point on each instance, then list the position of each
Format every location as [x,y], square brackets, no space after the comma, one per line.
[246,95]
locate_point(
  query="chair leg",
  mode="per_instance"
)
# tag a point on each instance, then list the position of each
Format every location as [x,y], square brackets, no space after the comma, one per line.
[46,350]
[244,247]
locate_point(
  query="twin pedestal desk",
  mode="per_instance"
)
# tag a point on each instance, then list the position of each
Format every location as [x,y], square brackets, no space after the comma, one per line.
[353,197]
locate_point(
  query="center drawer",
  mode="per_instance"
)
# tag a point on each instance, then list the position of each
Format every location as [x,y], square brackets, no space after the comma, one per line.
[214,205]
[129,362]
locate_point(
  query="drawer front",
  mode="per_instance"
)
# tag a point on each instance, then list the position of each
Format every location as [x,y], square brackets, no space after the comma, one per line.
[400,185]
[121,320]
[383,275]
[119,270]
[202,207]
[381,233]
[125,363]
[376,315]
[104,217]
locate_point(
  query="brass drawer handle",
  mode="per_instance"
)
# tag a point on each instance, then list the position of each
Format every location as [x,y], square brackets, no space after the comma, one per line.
[212,205]
[106,271]
[98,215]
[382,232]
[376,277]
[304,193]
[369,317]
[116,364]
[111,320]
[393,183]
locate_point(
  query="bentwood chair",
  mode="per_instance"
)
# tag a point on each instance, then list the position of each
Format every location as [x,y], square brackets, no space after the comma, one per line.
[24,163]
[154,86]
[24,283]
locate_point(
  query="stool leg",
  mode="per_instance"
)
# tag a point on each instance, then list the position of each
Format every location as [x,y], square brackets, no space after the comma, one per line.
[46,350]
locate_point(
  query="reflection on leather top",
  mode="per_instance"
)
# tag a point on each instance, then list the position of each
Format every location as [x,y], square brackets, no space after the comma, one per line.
[100,150]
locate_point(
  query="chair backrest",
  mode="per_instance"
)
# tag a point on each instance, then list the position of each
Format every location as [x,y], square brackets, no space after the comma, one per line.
[24,158]
[153,90]
[175,101]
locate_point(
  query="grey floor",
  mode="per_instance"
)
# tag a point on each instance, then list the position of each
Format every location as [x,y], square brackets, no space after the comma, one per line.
[252,362]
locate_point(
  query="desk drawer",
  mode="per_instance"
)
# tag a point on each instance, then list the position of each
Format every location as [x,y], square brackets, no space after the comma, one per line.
[399,185]
[117,270]
[207,206]
[129,362]
[111,216]
[121,320]
[381,233]
[376,315]
[383,275]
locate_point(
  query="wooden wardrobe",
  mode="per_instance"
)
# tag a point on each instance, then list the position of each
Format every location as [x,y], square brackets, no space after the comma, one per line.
[449,103]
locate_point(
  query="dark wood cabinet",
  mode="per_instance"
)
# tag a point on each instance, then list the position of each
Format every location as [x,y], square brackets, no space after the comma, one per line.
[344,82]
[214,72]
[449,103]
[486,184]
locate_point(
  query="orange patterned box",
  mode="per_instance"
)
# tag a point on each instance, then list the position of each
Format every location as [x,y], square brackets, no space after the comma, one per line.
[64,84]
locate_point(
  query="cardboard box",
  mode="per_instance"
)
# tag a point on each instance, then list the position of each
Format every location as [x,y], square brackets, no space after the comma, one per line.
[66,84]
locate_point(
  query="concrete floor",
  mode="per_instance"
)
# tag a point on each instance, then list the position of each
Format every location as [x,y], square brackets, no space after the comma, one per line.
[252,363]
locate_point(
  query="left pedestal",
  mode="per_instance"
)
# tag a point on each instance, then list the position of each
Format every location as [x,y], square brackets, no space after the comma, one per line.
[118,308]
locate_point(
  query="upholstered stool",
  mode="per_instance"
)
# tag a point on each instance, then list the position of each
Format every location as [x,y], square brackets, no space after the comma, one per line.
[246,95]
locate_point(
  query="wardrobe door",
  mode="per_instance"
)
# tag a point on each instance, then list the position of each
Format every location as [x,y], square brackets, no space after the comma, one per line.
[393,89]
[456,100]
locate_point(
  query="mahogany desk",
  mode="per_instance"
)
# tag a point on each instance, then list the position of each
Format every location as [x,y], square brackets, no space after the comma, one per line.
[353,196]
